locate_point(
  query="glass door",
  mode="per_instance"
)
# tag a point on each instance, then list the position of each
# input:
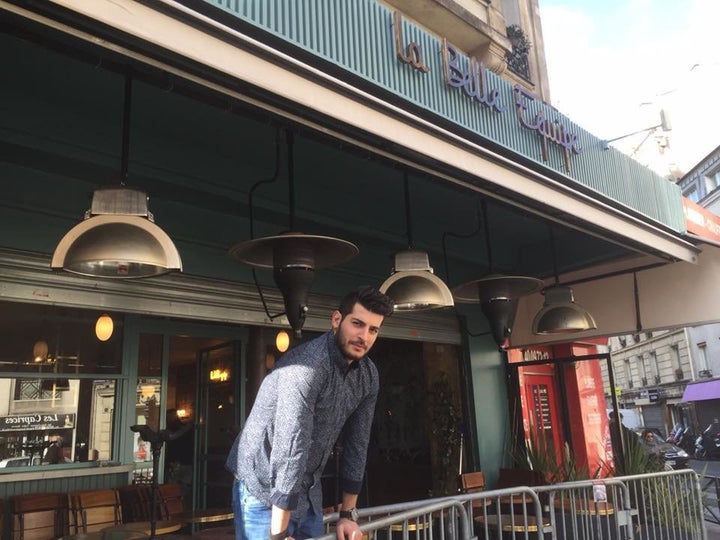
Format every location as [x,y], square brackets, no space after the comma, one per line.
[218,415]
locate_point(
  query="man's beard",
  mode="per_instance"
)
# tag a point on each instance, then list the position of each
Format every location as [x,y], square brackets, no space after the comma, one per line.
[345,348]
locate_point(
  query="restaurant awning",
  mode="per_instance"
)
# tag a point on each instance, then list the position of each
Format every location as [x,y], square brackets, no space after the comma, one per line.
[700,391]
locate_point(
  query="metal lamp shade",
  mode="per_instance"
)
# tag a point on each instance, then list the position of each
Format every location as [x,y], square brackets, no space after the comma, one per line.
[495,286]
[118,240]
[293,257]
[413,286]
[561,315]
[294,249]
[497,295]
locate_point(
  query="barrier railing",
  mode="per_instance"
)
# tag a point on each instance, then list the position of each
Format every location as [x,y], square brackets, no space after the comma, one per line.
[658,506]
[711,498]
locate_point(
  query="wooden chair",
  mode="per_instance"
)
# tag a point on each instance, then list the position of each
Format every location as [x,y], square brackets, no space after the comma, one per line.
[95,509]
[171,500]
[39,516]
[135,501]
[473,482]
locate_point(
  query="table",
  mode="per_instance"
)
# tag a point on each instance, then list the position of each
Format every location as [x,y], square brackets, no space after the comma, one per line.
[583,507]
[107,535]
[512,523]
[208,515]
[161,527]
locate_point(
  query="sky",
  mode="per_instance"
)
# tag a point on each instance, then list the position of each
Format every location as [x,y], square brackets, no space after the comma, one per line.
[613,65]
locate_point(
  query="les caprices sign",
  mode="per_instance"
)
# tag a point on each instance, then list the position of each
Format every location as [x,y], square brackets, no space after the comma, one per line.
[473,81]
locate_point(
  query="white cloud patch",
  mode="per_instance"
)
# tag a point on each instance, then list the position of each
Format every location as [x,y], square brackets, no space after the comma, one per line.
[614,65]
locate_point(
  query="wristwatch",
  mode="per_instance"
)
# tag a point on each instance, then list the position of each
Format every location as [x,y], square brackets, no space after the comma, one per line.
[351,514]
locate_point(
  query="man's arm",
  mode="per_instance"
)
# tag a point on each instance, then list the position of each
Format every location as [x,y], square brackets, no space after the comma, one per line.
[280,520]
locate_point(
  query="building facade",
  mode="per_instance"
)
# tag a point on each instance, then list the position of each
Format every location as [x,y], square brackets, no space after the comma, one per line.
[361,121]
[653,369]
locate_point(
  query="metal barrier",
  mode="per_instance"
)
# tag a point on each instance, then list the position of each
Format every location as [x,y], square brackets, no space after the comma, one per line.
[710,486]
[658,506]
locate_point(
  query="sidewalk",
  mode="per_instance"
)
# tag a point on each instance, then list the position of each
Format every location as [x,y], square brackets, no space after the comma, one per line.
[713,530]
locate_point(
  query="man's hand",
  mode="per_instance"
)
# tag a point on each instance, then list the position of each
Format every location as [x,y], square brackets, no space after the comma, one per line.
[347,529]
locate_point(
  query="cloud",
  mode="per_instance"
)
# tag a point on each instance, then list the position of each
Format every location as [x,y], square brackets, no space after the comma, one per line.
[614,65]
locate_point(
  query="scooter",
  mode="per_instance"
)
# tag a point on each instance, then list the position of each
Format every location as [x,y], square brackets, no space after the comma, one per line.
[708,442]
[686,440]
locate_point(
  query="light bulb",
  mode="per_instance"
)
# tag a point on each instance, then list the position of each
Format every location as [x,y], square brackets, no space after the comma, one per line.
[104,327]
[282,341]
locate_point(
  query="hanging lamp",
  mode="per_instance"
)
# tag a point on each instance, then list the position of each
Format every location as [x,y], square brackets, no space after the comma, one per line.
[560,314]
[497,294]
[412,284]
[118,237]
[104,327]
[293,256]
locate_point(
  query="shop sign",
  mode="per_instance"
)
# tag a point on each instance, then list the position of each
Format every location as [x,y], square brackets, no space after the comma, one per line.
[37,421]
[700,221]
[472,80]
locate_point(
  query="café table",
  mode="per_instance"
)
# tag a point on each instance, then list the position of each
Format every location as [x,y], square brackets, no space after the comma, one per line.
[582,507]
[161,527]
[207,515]
[107,535]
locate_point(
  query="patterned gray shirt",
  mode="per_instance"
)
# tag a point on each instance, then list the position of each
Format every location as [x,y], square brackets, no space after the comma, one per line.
[300,410]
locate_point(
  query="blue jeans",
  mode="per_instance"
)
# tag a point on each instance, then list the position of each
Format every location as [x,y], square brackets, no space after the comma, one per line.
[252,518]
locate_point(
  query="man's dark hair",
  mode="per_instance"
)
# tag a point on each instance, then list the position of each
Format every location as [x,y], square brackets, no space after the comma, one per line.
[368,297]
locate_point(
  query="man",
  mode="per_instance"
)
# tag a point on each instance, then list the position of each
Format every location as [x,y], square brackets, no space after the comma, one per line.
[316,391]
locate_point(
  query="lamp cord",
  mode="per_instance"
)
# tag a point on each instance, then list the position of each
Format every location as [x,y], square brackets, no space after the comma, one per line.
[273,178]
[488,246]
[125,148]
[461,320]
[408,217]
[554,254]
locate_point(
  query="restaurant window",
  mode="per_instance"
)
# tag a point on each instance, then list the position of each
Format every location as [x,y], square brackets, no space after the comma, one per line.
[57,386]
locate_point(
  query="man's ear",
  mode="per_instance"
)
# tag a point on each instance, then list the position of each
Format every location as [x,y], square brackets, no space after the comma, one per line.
[335,320]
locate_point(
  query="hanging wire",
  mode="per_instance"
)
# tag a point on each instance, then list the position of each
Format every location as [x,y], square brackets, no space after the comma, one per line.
[480,220]
[127,110]
[553,252]
[273,178]
[408,216]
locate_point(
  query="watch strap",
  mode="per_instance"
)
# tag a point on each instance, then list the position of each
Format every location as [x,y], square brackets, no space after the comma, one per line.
[349,514]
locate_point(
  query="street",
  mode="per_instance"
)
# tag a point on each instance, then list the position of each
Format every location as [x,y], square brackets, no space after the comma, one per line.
[706,467]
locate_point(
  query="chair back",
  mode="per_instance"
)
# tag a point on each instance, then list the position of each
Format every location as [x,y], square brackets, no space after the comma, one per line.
[135,501]
[171,500]
[39,516]
[472,482]
[95,509]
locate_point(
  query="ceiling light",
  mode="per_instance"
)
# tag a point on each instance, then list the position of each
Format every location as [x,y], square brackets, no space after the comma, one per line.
[104,327]
[40,350]
[282,341]
[118,237]
[412,285]
[560,314]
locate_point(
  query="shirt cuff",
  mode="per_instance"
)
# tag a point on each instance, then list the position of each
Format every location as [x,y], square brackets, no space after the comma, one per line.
[284,501]
[350,486]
